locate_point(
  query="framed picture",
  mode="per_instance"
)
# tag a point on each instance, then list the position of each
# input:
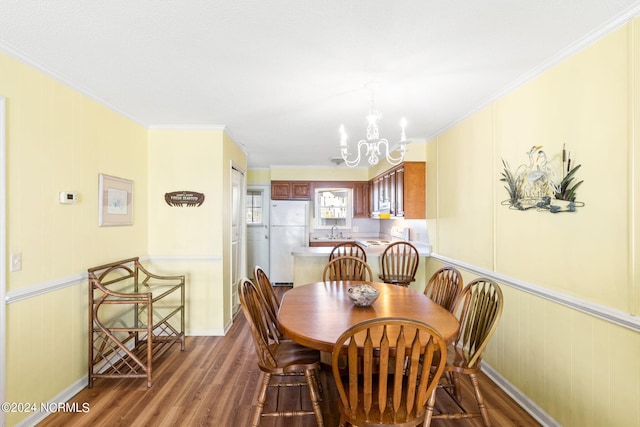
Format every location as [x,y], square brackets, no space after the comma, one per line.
[115,201]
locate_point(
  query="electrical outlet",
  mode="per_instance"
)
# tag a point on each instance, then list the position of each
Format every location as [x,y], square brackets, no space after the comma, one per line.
[16,262]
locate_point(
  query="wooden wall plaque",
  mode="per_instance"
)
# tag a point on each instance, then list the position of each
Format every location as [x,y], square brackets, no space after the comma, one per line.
[184,198]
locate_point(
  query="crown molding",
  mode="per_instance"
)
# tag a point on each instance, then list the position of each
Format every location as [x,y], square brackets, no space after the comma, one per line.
[573,48]
[25,59]
[189,127]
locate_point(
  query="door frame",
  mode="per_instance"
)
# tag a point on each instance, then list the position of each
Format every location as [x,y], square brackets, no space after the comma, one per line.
[3,256]
[266,199]
[242,232]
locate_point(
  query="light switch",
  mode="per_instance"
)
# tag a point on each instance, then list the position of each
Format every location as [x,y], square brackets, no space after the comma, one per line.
[16,262]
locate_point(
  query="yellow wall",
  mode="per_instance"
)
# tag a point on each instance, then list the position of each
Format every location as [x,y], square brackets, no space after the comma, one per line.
[194,239]
[184,237]
[320,174]
[59,140]
[583,103]
[581,370]
[258,176]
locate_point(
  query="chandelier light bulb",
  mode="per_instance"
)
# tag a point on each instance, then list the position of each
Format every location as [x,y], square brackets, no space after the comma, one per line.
[343,137]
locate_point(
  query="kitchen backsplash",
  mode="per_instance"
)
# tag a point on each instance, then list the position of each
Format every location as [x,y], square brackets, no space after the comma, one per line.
[364,227]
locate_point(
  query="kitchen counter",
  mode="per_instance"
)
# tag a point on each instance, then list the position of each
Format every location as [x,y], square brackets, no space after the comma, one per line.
[309,263]
[424,250]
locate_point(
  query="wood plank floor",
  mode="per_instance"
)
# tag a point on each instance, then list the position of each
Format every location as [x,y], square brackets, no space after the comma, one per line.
[214,382]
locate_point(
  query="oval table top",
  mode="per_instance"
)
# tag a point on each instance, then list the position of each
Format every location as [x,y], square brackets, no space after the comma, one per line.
[315,315]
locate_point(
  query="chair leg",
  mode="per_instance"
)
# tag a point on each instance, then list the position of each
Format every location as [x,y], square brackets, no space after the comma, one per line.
[312,380]
[318,383]
[262,395]
[430,405]
[480,399]
[456,386]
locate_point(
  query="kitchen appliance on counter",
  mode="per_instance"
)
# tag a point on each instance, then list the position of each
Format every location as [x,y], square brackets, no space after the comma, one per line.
[289,229]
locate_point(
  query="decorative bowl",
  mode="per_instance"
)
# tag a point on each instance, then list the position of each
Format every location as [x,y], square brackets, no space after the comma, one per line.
[363,295]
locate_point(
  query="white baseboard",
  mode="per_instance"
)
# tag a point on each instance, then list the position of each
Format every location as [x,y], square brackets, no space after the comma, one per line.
[63,397]
[205,332]
[209,332]
[527,404]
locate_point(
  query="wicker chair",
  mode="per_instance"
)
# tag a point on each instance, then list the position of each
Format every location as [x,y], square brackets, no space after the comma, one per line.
[384,361]
[284,359]
[399,263]
[444,286]
[479,308]
[347,268]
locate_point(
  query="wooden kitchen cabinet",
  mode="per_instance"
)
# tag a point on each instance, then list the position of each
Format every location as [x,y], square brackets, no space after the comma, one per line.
[402,190]
[361,205]
[374,195]
[399,194]
[412,190]
[391,184]
[291,190]
[323,244]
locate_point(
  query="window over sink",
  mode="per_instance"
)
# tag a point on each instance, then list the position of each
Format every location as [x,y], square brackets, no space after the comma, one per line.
[333,208]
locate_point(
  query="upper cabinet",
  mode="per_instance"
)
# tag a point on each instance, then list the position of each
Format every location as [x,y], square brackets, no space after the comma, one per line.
[361,199]
[291,190]
[400,191]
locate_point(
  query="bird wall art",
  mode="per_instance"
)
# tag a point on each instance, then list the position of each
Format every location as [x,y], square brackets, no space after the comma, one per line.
[538,184]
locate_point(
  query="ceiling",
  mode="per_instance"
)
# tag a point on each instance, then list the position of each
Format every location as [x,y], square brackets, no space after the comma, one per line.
[282,75]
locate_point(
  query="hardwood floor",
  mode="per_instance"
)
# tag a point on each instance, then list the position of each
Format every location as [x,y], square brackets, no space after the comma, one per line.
[214,382]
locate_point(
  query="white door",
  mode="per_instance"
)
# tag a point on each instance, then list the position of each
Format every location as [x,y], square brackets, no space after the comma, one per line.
[237,190]
[257,214]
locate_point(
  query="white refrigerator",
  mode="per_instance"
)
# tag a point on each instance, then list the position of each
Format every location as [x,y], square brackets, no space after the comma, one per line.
[289,229]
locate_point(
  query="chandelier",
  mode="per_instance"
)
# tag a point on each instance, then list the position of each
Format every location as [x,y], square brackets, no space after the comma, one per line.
[374,144]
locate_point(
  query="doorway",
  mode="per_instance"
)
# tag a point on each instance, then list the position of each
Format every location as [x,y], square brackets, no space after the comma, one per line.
[257,206]
[237,235]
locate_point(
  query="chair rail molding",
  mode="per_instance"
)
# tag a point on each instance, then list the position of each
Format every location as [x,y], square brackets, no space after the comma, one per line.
[42,288]
[597,310]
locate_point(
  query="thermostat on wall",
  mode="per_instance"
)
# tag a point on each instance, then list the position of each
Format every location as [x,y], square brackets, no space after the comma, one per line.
[68,198]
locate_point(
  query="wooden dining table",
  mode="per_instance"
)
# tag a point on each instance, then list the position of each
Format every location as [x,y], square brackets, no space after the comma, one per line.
[316,314]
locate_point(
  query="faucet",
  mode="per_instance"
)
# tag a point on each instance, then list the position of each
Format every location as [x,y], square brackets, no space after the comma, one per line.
[333,228]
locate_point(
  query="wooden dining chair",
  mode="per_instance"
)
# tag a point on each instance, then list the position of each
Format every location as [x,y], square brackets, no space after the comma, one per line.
[347,268]
[385,359]
[286,360]
[348,249]
[444,286]
[266,290]
[399,263]
[478,308]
